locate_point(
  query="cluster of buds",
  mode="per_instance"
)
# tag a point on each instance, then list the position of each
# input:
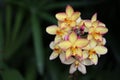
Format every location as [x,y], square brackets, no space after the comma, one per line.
[78,42]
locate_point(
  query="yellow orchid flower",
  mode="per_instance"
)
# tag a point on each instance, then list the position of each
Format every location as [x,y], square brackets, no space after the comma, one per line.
[73,45]
[68,18]
[56,50]
[80,65]
[55,30]
[96,29]
[93,50]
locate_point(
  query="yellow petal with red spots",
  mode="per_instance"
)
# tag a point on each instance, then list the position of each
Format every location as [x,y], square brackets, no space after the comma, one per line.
[100,50]
[81,43]
[64,45]
[69,11]
[51,29]
[72,37]
[101,30]
[61,16]
[75,16]
[94,17]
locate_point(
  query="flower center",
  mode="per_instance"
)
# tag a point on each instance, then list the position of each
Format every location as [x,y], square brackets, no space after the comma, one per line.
[91,51]
[76,63]
[81,32]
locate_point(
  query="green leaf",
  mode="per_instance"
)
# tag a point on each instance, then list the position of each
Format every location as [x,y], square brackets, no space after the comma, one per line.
[8,24]
[38,43]
[1,41]
[17,24]
[12,74]
[23,37]
[30,71]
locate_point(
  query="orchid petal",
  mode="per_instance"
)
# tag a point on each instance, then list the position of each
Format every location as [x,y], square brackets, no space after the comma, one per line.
[57,39]
[64,61]
[79,20]
[69,11]
[100,50]
[81,42]
[92,43]
[82,69]
[73,68]
[72,37]
[61,16]
[52,45]
[87,62]
[94,17]
[68,54]
[101,30]
[98,37]
[75,16]
[95,24]
[89,37]
[64,45]
[85,54]
[94,58]
[51,29]
[53,55]
[78,52]
[88,23]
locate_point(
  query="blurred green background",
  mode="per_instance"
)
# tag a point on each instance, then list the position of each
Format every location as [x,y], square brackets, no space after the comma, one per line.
[24,43]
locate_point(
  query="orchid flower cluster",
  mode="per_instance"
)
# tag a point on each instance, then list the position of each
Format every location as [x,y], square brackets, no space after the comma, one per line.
[78,42]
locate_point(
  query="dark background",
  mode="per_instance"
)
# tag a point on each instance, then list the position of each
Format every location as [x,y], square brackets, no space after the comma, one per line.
[24,43]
